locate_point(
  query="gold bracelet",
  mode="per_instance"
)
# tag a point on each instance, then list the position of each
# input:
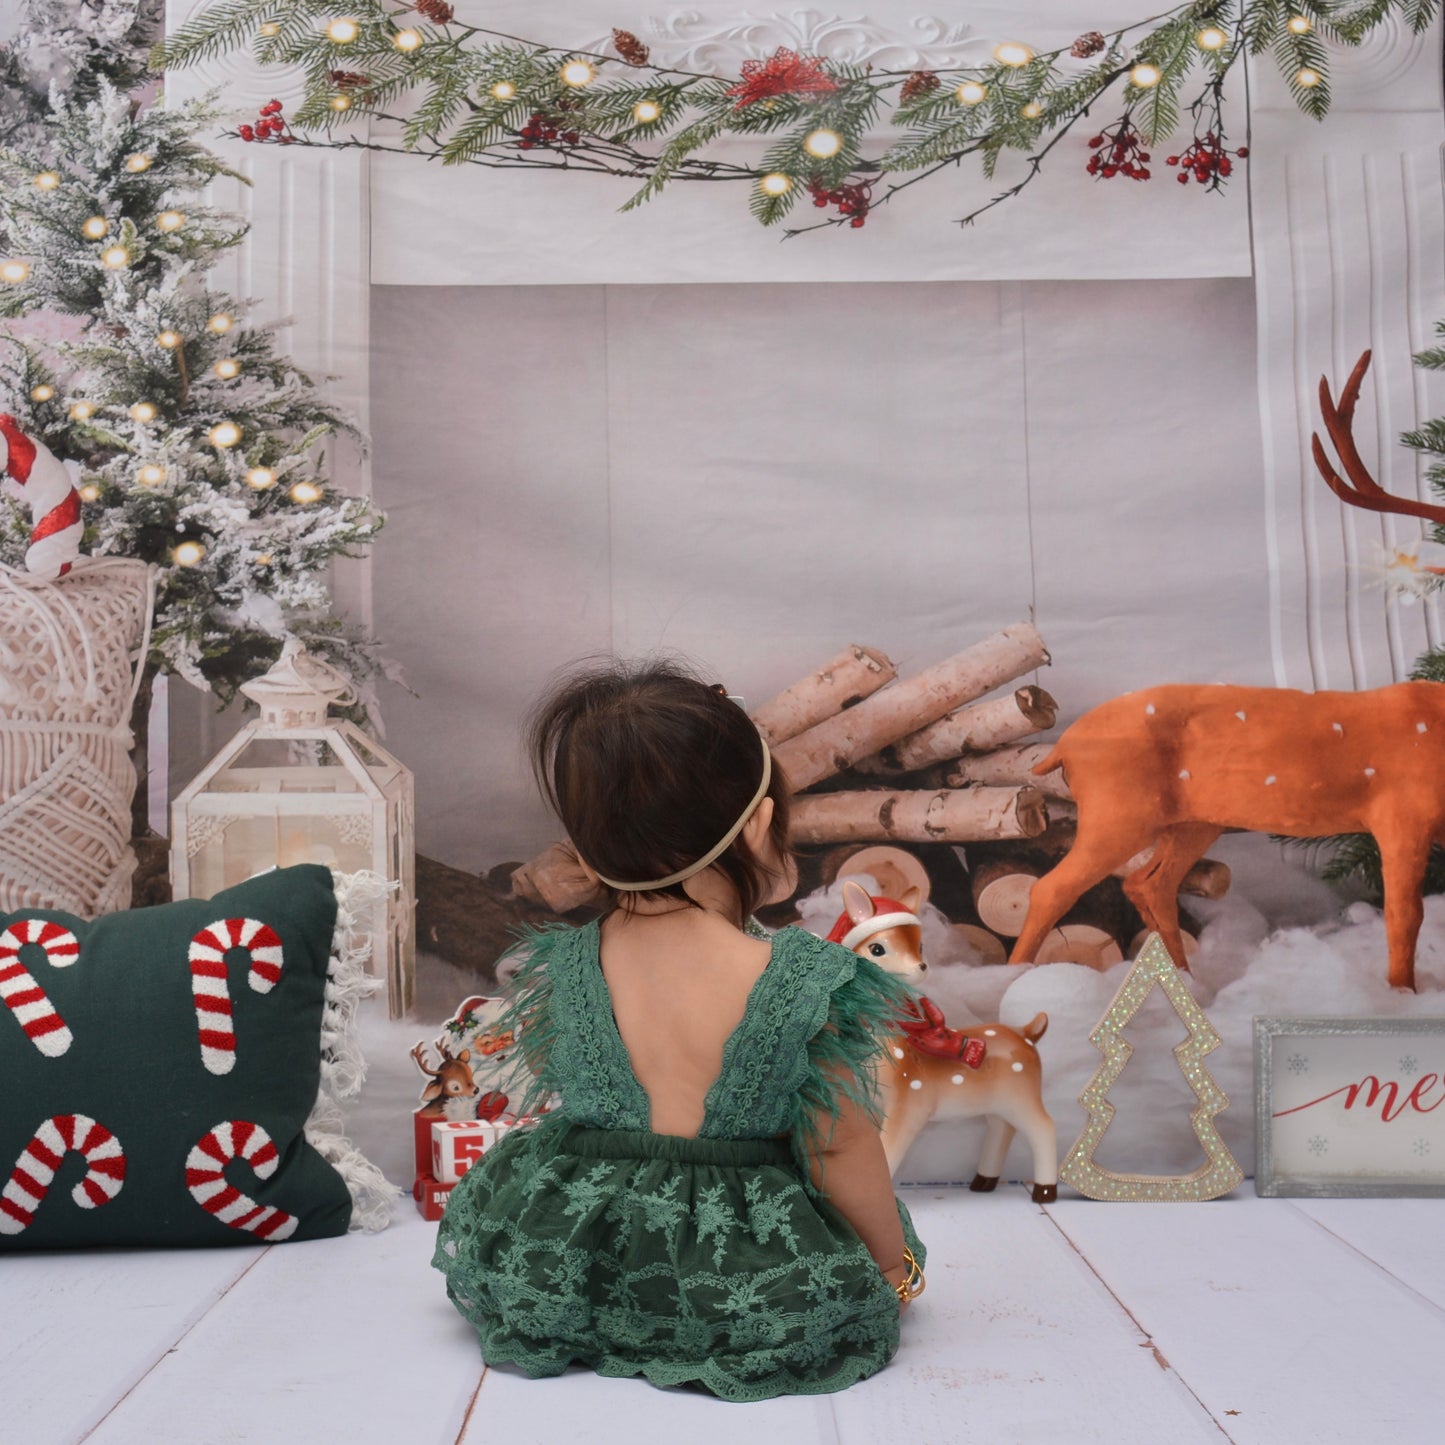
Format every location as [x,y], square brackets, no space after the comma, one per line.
[913,1284]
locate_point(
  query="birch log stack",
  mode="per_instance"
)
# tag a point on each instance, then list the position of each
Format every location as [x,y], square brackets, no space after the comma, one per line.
[927,759]
[858,732]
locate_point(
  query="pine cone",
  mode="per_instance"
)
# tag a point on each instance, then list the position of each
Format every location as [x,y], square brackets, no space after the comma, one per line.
[349,80]
[630,48]
[1089,43]
[437,11]
[919,83]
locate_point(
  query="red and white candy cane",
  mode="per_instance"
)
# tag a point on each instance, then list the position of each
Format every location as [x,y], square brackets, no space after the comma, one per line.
[34,1171]
[206,1179]
[33,474]
[208,982]
[22,995]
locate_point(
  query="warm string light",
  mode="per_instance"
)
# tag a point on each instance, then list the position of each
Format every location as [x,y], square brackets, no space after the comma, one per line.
[224,434]
[47,181]
[169,221]
[265,560]
[43,392]
[1307,77]
[82,410]
[89,492]
[578,73]
[775,183]
[221,323]
[227,368]
[306,492]
[1142,77]
[13,272]
[342,31]
[188,554]
[137,163]
[151,475]
[260,479]
[340,102]
[269,29]
[503,90]
[1012,54]
[1299,25]
[169,340]
[1032,111]
[115,258]
[646,111]
[971,92]
[823,144]
[407,40]
[94,228]
[143,412]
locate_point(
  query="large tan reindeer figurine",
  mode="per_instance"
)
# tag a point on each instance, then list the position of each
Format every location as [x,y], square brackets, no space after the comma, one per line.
[935,1072]
[1172,767]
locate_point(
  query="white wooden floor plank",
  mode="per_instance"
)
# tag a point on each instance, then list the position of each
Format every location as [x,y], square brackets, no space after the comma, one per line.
[84,1327]
[1402,1236]
[1015,1341]
[1286,1334]
[341,1339]
[581,1406]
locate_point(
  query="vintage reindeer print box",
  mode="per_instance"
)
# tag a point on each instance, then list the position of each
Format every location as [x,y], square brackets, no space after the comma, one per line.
[1350,1106]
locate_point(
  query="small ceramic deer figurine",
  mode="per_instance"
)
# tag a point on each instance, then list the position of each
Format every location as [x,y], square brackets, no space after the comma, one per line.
[452,1092]
[935,1072]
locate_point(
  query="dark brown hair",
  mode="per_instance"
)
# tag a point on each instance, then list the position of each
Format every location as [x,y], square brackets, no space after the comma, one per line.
[648,767]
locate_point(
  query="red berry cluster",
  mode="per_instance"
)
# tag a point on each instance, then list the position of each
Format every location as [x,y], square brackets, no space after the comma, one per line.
[852,201]
[270,126]
[541,130]
[1206,160]
[1119,151]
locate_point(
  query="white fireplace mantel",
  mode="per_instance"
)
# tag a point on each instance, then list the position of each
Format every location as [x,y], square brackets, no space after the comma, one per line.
[1341,224]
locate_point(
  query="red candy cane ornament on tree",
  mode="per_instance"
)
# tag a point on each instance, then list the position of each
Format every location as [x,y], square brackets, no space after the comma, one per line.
[35,1169]
[208,982]
[30,472]
[206,1179]
[22,995]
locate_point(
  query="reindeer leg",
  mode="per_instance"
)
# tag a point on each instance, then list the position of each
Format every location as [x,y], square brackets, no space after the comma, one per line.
[904,1117]
[1095,854]
[1154,888]
[1404,852]
[997,1137]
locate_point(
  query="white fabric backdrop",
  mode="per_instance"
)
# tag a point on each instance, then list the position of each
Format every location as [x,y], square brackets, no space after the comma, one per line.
[757,475]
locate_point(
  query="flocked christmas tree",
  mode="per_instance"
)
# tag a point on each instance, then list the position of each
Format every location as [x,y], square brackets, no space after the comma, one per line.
[201,448]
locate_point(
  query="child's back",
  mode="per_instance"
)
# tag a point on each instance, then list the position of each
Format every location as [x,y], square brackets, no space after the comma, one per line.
[667,1219]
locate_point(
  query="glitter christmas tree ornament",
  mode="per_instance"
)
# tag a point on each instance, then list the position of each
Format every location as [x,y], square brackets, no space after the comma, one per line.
[1219,1173]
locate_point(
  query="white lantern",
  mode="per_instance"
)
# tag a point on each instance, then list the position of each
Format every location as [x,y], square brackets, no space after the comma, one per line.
[297,785]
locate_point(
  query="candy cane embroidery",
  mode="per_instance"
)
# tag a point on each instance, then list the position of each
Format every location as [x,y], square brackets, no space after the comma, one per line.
[24,997]
[34,1171]
[205,1178]
[208,982]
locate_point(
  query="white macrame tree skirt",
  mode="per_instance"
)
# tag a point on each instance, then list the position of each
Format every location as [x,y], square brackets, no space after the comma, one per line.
[72,652]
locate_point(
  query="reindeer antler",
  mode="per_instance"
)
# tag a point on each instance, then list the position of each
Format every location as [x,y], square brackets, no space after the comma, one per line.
[1366,491]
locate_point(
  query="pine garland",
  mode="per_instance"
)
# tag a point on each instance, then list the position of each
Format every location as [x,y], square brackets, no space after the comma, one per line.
[465,94]
[101,198]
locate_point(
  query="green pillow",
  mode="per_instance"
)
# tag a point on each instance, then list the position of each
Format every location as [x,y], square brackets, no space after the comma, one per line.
[158,1069]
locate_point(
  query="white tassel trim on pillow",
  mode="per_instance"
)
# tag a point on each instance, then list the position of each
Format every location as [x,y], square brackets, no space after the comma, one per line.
[343,1068]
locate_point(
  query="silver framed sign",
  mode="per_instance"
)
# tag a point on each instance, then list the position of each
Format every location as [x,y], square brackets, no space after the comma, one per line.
[1349,1106]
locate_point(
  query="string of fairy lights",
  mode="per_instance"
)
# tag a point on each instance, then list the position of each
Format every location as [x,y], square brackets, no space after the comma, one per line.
[479,96]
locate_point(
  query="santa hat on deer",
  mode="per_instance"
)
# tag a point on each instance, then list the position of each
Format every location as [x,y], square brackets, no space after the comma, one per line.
[30,472]
[856,922]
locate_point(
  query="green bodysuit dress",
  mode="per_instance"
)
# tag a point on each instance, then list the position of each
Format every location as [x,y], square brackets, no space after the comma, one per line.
[710,1261]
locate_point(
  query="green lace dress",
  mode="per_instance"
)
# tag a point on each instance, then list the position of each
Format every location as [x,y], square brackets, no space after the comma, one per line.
[709,1261]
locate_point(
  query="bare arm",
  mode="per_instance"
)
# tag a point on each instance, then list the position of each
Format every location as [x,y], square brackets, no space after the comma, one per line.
[849,1168]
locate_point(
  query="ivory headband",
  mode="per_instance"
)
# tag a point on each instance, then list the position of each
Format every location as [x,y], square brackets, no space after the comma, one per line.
[713,853]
